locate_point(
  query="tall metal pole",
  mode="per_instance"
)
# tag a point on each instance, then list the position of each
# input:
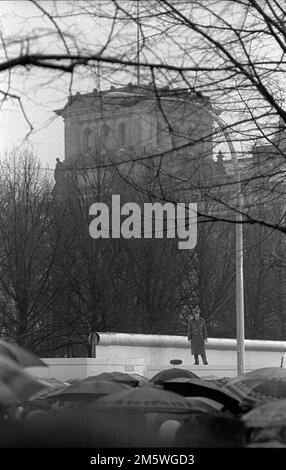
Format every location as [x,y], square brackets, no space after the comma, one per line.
[239,256]
[239,286]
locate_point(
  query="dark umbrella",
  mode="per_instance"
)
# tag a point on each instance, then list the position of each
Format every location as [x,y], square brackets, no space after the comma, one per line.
[254,389]
[115,376]
[220,382]
[50,384]
[147,399]
[168,374]
[72,381]
[200,388]
[88,389]
[271,414]
[142,380]
[205,405]
[211,405]
[23,357]
[263,372]
[132,417]
[135,380]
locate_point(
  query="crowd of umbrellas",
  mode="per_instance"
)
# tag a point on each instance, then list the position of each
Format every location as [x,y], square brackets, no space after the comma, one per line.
[175,408]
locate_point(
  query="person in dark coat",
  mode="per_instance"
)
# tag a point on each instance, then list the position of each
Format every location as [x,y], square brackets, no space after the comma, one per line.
[197,335]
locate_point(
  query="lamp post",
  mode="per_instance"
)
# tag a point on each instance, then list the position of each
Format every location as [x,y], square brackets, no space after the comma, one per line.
[239,249]
[239,254]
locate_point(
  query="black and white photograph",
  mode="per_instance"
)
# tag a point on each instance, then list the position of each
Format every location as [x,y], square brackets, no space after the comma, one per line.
[142,230]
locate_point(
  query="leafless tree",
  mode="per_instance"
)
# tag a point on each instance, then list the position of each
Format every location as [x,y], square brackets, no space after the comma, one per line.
[231,51]
[28,250]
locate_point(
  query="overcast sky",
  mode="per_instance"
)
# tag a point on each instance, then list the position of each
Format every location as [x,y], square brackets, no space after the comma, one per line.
[41,91]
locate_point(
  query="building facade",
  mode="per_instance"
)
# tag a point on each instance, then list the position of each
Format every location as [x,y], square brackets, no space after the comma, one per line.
[142,131]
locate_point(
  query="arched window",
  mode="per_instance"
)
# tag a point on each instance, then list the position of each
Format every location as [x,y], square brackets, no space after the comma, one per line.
[121,133]
[87,139]
[104,131]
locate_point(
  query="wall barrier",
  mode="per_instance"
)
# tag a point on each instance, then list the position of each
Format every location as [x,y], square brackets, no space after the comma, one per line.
[148,354]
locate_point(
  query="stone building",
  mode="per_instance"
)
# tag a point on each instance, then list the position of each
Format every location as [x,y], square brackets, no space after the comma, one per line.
[141,130]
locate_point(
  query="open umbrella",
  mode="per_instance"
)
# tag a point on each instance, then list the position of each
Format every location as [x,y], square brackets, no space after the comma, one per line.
[50,384]
[16,386]
[269,372]
[217,381]
[205,405]
[263,373]
[115,376]
[266,415]
[255,389]
[142,380]
[147,399]
[200,388]
[20,355]
[168,374]
[88,389]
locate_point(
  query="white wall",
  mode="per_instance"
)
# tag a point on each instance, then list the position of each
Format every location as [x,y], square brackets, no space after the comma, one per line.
[147,354]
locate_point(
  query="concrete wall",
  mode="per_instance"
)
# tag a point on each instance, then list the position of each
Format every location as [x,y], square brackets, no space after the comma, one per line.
[148,354]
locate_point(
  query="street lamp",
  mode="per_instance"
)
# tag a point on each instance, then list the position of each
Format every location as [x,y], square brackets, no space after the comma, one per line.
[239,253]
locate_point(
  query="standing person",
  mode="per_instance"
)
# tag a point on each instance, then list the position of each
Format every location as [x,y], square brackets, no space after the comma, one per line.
[197,335]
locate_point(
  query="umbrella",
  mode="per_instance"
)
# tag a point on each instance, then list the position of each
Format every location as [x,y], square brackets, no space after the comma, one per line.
[205,405]
[50,384]
[16,386]
[221,382]
[88,389]
[147,399]
[269,372]
[200,388]
[142,381]
[269,414]
[263,372]
[72,381]
[23,357]
[168,374]
[136,380]
[253,389]
[115,377]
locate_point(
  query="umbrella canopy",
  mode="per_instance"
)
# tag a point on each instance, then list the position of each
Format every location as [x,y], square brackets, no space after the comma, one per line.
[269,372]
[23,357]
[147,399]
[221,382]
[270,414]
[16,386]
[89,389]
[142,380]
[72,381]
[168,374]
[263,372]
[115,376]
[52,382]
[50,385]
[200,388]
[205,405]
[255,389]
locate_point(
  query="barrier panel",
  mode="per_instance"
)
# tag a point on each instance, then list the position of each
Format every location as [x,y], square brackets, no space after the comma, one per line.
[148,354]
